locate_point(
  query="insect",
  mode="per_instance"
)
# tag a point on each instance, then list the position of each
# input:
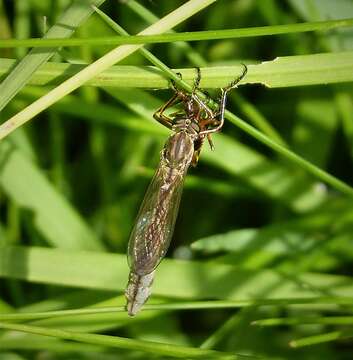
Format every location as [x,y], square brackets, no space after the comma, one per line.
[153,229]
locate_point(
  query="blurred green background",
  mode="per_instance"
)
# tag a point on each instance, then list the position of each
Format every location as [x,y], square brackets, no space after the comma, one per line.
[251,224]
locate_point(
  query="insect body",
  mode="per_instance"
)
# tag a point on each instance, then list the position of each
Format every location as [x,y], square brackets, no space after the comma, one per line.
[153,229]
[154,226]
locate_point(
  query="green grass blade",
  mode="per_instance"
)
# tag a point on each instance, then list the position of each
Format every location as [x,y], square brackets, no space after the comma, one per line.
[321,339]
[199,305]
[188,36]
[123,343]
[67,24]
[324,320]
[301,69]
[22,24]
[314,69]
[36,342]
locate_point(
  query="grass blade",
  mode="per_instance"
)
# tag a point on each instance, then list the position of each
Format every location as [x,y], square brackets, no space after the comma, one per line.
[320,339]
[199,305]
[110,271]
[314,69]
[123,343]
[328,320]
[187,36]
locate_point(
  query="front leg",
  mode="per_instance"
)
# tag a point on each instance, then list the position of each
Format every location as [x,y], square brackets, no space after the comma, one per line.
[161,117]
[222,104]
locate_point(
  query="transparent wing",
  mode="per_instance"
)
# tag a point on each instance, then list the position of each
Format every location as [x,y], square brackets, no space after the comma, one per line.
[153,229]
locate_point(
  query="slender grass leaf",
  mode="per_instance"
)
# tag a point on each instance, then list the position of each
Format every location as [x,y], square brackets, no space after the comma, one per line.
[328,320]
[36,342]
[188,36]
[22,24]
[109,307]
[123,343]
[322,338]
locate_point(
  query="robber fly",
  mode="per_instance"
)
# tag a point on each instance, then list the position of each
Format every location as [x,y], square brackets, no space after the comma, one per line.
[153,229]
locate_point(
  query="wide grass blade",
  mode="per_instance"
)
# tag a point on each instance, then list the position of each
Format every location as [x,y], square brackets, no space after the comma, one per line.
[192,279]
[314,69]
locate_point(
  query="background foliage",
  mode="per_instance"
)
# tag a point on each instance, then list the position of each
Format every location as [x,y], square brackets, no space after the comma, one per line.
[256,232]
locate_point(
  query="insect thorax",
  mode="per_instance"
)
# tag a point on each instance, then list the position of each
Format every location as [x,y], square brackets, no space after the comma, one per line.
[178,150]
[189,125]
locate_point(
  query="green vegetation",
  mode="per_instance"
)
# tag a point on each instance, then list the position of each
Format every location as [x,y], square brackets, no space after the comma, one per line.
[260,265]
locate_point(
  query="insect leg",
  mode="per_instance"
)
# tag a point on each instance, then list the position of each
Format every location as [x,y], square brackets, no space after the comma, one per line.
[174,87]
[161,117]
[223,101]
